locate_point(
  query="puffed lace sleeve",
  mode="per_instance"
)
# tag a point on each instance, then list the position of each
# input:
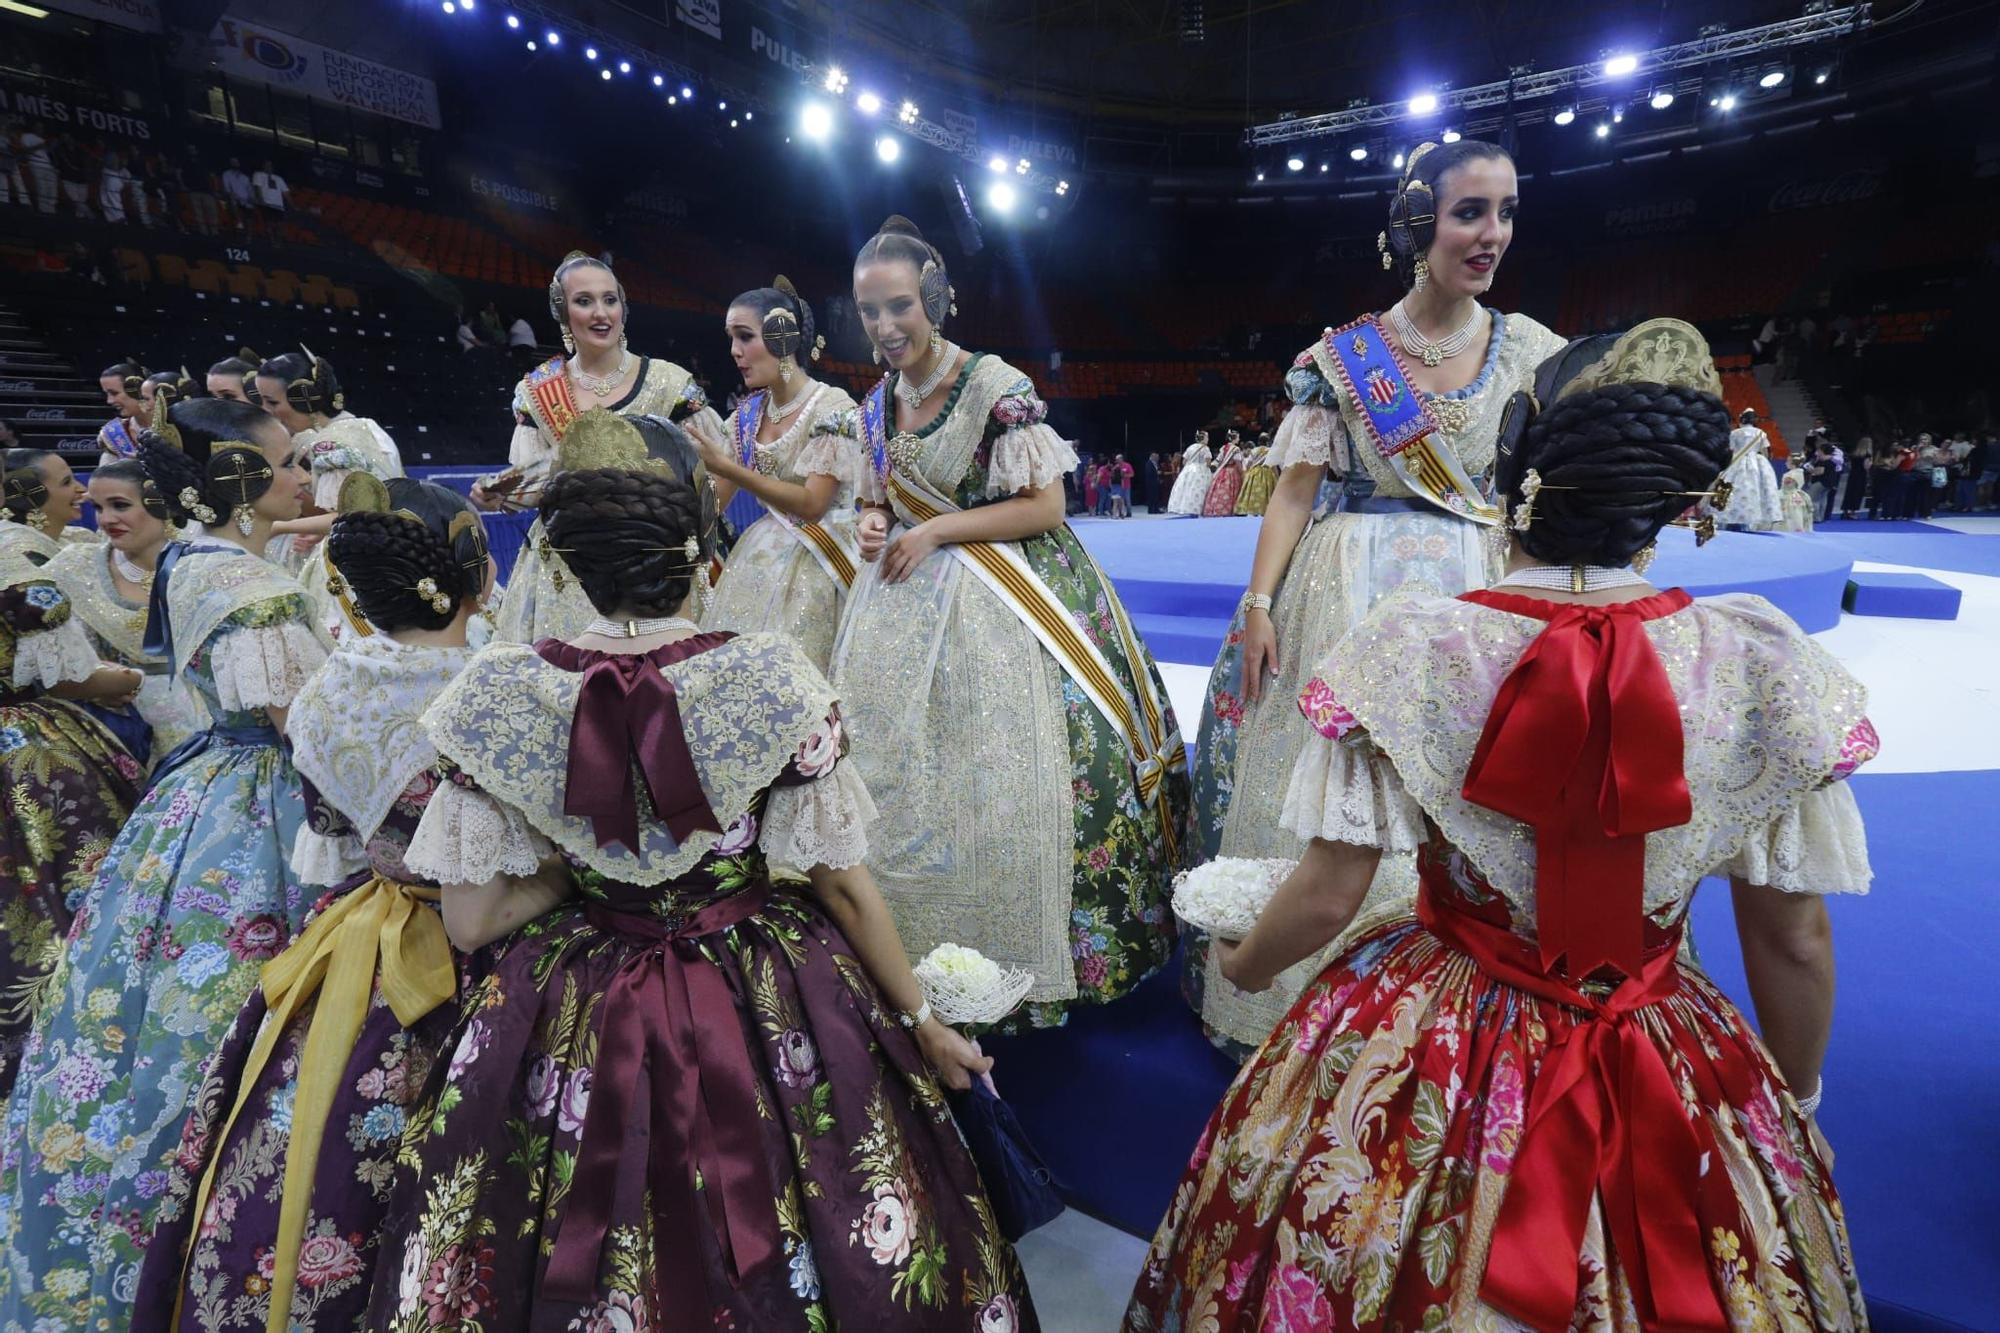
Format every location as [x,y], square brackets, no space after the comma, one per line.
[1342,788]
[468,837]
[1312,431]
[830,450]
[691,410]
[50,645]
[818,813]
[1818,846]
[1024,452]
[264,654]
[326,849]
[845,428]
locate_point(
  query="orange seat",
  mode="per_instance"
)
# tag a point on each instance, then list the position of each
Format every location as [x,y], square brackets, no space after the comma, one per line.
[132,265]
[246,280]
[208,276]
[316,289]
[281,284]
[345,298]
[173,269]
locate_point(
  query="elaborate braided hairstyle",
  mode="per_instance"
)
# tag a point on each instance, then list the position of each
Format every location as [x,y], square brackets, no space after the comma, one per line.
[572,261]
[787,321]
[133,474]
[898,239]
[25,489]
[193,458]
[177,384]
[311,387]
[131,374]
[242,368]
[1414,207]
[624,531]
[1629,439]
[412,552]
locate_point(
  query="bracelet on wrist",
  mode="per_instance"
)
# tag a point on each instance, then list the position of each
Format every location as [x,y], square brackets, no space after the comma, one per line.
[1809,1106]
[912,1021]
[1256,601]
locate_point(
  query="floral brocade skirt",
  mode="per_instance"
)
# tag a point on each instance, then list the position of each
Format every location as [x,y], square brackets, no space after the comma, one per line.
[1353,1175]
[559,1173]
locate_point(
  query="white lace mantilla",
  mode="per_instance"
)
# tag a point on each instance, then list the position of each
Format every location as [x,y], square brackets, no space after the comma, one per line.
[1768,715]
[746,707]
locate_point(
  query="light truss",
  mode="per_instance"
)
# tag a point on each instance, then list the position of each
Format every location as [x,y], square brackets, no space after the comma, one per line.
[946,139]
[1531,86]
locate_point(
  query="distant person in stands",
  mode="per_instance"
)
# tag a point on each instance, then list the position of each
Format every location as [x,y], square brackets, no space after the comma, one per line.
[1150,480]
[167,179]
[468,341]
[236,377]
[113,181]
[74,166]
[1986,457]
[492,331]
[124,384]
[9,438]
[272,192]
[1968,461]
[1833,471]
[1121,487]
[13,181]
[201,189]
[39,166]
[1932,474]
[521,339]
[1860,463]
[236,184]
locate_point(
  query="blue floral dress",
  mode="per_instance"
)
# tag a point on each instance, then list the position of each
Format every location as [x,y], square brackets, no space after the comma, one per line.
[192,897]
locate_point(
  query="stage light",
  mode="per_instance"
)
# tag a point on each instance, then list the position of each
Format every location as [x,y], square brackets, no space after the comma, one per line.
[1423,104]
[513,21]
[722,106]
[1062,187]
[466,5]
[908,113]
[552,37]
[1603,130]
[1451,136]
[1618,66]
[1820,77]
[449,7]
[1398,162]
[1566,115]
[687,93]
[624,67]
[590,53]
[732,124]
[1618,117]
[1260,178]
[1359,153]
[604,73]
[996,163]
[836,81]
[816,121]
[659,81]
[1772,80]
[1295,164]
[887,149]
[749,115]
[867,103]
[1662,100]
[1022,167]
[531,43]
[1001,196]
[1728,102]
[1322,168]
[673,100]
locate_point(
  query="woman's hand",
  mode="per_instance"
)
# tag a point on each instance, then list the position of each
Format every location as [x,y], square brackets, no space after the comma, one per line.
[1260,652]
[1227,954]
[956,1060]
[484,499]
[908,551]
[874,533]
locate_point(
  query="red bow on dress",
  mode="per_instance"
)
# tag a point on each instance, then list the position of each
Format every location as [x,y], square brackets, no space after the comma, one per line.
[627,716]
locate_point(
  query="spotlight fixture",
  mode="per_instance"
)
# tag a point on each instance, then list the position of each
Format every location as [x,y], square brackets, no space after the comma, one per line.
[1062,187]
[908,112]
[624,67]
[1358,153]
[836,81]
[465,5]
[1603,130]
[1023,167]
[449,7]
[687,93]
[1566,115]
[1663,99]
[722,106]
[1423,104]
[1618,66]
[887,149]
[673,100]
[1820,77]
[590,53]
[531,44]
[816,121]
[749,115]
[513,21]
[868,103]
[1322,168]
[1451,136]
[1397,162]
[552,37]
[604,73]
[1772,80]
[996,163]
[1295,164]
[1001,195]
[1260,178]
[659,81]
[1728,102]
[732,124]
[1618,117]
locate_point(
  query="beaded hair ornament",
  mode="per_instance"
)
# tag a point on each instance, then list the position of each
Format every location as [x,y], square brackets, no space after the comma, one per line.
[601,439]
[365,493]
[1413,209]
[25,495]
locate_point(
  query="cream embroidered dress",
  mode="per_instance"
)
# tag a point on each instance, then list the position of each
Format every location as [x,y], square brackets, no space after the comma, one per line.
[117,628]
[1016,817]
[534,607]
[1382,538]
[778,577]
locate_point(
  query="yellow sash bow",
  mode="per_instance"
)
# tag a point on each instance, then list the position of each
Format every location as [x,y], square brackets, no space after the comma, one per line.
[382,933]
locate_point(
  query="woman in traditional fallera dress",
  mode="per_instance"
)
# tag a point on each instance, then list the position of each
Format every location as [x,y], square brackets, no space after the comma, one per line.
[43,499]
[1220,502]
[271,1215]
[685,1096]
[193,896]
[1259,478]
[790,570]
[66,786]
[588,303]
[1191,486]
[1003,709]
[1752,501]
[123,384]
[1317,574]
[109,585]
[1528,1107]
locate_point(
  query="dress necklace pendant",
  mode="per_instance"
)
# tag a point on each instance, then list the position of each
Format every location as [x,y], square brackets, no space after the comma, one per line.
[913,395]
[129,570]
[1433,352]
[639,626]
[602,385]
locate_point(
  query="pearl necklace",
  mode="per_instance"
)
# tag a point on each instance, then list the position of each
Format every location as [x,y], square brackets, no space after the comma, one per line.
[913,398]
[638,627]
[775,413]
[1572,578]
[129,570]
[602,385]
[1433,352]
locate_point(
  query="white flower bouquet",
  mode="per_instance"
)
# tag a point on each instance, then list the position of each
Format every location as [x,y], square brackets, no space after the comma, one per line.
[1225,896]
[965,986]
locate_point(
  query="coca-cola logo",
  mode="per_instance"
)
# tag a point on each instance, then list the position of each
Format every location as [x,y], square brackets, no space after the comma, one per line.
[1850,187]
[16,386]
[45,414]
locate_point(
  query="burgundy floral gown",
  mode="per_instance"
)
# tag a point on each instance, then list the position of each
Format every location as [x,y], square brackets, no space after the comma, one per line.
[1446,1131]
[677,1101]
[214,1265]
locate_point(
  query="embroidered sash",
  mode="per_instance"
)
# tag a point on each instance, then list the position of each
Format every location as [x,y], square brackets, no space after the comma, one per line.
[821,544]
[1001,567]
[1398,420]
[550,401]
[116,437]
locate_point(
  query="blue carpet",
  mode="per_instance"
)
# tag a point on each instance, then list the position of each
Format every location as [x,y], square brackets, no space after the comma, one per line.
[1912,1075]
[1917,544]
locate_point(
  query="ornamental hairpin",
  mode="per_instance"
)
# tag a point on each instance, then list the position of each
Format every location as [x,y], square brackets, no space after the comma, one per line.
[427,588]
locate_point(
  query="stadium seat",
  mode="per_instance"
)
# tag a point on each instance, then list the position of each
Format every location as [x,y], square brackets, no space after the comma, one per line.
[132,265]
[246,280]
[208,276]
[173,270]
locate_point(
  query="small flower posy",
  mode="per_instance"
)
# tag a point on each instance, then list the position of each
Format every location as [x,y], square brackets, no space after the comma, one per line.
[192,502]
[965,986]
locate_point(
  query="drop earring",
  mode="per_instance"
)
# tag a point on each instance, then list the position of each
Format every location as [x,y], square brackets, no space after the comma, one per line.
[621,342]
[785,370]
[569,343]
[1420,275]
[937,340]
[1642,560]
[246,519]
[874,353]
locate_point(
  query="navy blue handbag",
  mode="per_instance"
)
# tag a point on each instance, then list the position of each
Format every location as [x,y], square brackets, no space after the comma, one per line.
[1024,1192]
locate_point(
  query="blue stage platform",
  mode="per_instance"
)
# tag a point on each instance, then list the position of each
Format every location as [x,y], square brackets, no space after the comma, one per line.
[1182,577]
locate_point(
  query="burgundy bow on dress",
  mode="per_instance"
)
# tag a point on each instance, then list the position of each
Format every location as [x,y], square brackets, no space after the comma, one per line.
[627,717]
